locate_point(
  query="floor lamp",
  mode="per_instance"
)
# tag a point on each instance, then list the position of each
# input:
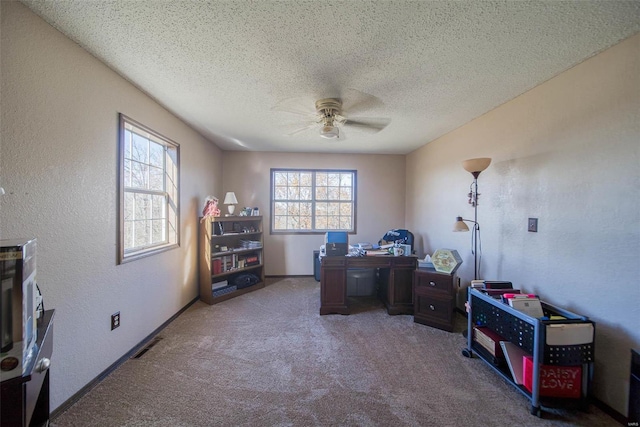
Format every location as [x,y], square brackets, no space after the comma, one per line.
[474,166]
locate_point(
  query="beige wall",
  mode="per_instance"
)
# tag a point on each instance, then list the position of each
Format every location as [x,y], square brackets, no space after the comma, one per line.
[566,152]
[381,186]
[58,166]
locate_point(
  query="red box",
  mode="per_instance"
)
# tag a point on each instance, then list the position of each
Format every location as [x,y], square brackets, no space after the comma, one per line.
[555,381]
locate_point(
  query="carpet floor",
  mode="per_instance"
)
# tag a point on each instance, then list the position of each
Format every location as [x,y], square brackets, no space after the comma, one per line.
[267,358]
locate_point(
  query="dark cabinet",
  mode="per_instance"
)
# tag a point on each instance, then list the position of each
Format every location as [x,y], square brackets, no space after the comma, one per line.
[25,399]
[434,299]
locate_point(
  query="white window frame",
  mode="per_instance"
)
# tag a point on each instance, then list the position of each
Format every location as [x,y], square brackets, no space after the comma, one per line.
[315,229]
[168,192]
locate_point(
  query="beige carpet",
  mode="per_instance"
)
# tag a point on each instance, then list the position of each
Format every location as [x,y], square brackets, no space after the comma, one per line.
[268,358]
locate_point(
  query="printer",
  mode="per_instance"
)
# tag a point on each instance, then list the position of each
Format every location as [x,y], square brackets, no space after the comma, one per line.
[336,243]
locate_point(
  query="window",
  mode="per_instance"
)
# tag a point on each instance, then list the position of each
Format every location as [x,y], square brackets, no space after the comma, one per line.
[309,201]
[148,192]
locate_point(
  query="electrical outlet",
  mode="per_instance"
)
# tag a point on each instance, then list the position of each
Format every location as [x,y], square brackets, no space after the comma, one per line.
[533,225]
[115,320]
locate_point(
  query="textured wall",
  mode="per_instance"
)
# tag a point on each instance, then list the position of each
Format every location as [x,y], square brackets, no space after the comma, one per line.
[381,186]
[566,152]
[58,163]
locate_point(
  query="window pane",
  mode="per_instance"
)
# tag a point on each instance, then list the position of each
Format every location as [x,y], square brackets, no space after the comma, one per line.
[305,193]
[157,231]
[321,222]
[305,223]
[280,222]
[305,209]
[317,200]
[156,181]
[127,173]
[281,193]
[141,233]
[156,155]
[321,209]
[128,234]
[149,171]
[128,206]
[280,208]
[139,174]
[294,179]
[345,193]
[333,193]
[280,178]
[142,206]
[127,144]
[305,179]
[345,223]
[333,223]
[321,193]
[140,148]
[158,204]
[294,193]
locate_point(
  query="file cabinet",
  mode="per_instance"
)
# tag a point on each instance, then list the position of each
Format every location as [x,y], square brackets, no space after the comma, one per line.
[434,299]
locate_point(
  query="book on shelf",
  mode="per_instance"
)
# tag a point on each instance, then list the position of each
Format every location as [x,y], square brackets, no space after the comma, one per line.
[514,356]
[489,340]
[216,266]
[218,285]
[529,304]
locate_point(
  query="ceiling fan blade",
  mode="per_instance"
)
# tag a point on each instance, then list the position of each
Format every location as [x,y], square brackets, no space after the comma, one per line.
[302,129]
[301,106]
[369,124]
[355,102]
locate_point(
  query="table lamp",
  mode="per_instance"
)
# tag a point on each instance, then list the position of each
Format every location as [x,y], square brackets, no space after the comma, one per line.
[231,202]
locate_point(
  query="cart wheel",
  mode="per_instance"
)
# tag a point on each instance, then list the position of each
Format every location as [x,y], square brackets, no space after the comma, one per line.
[535,410]
[467,353]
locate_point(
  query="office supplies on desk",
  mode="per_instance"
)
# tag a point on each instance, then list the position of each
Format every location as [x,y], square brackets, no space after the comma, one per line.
[336,249]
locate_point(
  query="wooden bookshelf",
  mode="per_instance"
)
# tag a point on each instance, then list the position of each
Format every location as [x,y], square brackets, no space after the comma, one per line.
[229,246]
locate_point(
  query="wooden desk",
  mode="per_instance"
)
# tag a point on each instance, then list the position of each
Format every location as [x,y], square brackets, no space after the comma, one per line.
[396,281]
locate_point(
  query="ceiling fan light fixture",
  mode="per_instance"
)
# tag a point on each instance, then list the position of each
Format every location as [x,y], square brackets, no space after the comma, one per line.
[329,132]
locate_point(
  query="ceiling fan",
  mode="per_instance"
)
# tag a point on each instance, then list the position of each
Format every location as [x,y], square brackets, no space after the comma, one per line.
[333,115]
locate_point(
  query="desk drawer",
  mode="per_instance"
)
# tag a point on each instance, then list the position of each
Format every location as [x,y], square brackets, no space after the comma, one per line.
[436,311]
[430,282]
[333,262]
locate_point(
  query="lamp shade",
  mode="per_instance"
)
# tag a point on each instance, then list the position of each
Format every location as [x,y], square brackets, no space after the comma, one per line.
[460,225]
[230,198]
[476,165]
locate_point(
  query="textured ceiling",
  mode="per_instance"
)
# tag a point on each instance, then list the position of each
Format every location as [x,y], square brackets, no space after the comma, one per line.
[223,65]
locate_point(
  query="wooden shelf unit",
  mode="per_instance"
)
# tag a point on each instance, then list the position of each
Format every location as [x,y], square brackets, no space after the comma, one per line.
[222,255]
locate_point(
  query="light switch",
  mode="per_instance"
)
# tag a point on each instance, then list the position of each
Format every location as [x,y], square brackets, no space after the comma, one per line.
[533,225]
